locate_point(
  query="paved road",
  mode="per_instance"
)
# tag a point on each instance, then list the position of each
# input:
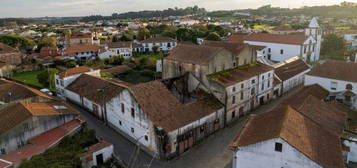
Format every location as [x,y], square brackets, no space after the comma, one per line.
[213,152]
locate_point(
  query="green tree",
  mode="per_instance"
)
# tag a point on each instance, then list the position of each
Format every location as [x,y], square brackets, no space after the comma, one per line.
[46,77]
[143,34]
[126,37]
[46,42]
[213,36]
[334,47]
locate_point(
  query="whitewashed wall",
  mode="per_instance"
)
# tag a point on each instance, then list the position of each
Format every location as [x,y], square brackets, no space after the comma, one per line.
[263,154]
[290,50]
[107,154]
[294,81]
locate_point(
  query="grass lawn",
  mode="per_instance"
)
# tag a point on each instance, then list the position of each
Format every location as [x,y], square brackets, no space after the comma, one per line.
[154,56]
[28,78]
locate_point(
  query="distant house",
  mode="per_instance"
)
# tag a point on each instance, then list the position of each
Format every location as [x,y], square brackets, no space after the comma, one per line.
[63,79]
[97,154]
[83,52]
[49,51]
[350,37]
[291,73]
[302,131]
[339,78]
[10,55]
[123,49]
[82,38]
[163,43]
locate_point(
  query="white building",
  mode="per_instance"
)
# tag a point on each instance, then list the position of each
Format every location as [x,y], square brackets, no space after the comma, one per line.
[163,43]
[123,49]
[97,154]
[291,73]
[63,79]
[291,138]
[243,88]
[280,47]
[163,127]
[339,78]
[351,38]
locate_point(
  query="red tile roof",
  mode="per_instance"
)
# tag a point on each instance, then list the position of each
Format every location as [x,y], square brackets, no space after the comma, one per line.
[338,70]
[233,76]
[74,71]
[73,49]
[234,47]
[283,28]
[294,39]
[304,134]
[120,45]
[291,69]
[81,35]
[42,142]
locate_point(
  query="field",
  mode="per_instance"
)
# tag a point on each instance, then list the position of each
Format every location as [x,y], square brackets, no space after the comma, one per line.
[28,78]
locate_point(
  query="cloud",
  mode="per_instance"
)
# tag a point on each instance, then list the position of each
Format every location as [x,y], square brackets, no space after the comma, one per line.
[35,8]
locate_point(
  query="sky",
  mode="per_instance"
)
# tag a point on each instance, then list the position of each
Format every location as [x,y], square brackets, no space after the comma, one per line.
[40,8]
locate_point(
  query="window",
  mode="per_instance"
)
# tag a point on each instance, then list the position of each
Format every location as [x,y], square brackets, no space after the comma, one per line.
[233,89]
[268,75]
[132,129]
[202,128]
[281,51]
[122,108]
[61,82]
[263,77]
[262,86]
[242,86]
[146,138]
[2,151]
[268,83]
[278,147]
[26,126]
[253,81]
[233,99]
[349,87]
[120,122]
[333,85]
[233,114]
[57,82]
[304,49]
[269,49]
[133,112]
[241,95]
[252,91]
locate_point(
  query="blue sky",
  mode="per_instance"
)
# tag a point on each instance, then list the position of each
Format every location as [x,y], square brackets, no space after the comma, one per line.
[35,8]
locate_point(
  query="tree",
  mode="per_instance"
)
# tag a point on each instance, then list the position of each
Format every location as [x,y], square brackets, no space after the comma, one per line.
[213,36]
[126,37]
[46,42]
[143,34]
[155,49]
[334,47]
[46,77]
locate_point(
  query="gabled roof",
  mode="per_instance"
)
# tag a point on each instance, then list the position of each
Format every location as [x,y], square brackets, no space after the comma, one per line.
[236,75]
[338,70]
[293,39]
[73,49]
[12,91]
[195,54]
[283,28]
[302,133]
[158,40]
[74,71]
[117,70]
[165,111]
[95,89]
[291,69]
[234,47]
[14,114]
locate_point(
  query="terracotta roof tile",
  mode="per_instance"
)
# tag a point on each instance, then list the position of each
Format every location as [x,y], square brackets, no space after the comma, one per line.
[195,54]
[120,45]
[96,89]
[294,39]
[169,113]
[339,70]
[74,71]
[12,91]
[6,49]
[291,69]
[73,49]
[234,47]
[233,76]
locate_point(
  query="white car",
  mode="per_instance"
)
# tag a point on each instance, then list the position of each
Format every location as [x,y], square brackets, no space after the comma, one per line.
[44,90]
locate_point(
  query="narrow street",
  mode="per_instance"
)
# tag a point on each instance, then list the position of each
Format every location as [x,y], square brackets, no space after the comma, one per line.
[213,152]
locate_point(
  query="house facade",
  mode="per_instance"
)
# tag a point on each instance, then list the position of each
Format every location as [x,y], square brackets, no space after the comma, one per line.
[338,78]
[163,43]
[122,49]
